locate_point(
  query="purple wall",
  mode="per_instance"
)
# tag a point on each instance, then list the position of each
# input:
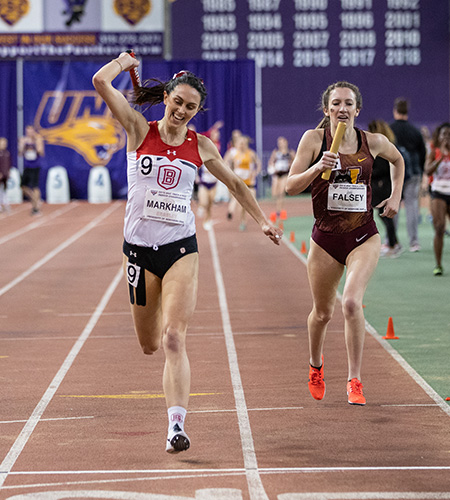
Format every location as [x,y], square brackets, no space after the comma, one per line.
[389,48]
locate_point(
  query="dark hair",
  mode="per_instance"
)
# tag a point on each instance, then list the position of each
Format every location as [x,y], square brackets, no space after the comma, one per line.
[152,90]
[401,105]
[437,133]
[341,85]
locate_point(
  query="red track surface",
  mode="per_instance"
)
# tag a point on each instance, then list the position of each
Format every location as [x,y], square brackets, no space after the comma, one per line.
[82,410]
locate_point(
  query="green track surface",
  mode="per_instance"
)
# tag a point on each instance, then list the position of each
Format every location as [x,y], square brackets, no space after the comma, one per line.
[405,289]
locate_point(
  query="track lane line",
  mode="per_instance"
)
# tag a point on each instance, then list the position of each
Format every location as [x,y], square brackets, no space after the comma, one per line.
[444,406]
[255,486]
[262,470]
[37,223]
[59,248]
[22,439]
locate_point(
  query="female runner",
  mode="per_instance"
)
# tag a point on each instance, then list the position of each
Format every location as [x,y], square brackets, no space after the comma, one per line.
[160,247]
[438,166]
[344,232]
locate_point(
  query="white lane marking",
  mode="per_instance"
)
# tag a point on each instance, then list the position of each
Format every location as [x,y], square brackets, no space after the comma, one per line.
[163,475]
[233,410]
[411,405]
[43,420]
[203,494]
[367,495]
[22,439]
[409,370]
[67,338]
[75,315]
[59,249]
[385,344]
[237,470]
[255,486]
[37,223]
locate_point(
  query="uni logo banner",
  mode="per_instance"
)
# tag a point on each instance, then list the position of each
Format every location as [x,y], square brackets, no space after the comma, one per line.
[132,11]
[78,129]
[81,121]
[12,11]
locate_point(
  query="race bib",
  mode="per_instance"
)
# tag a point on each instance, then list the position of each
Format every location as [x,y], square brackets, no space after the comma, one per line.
[133,272]
[347,197]
[164,206]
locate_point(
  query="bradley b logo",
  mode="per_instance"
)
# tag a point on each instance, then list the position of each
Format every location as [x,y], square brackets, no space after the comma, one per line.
[80,120]
[12,11]
[132,11]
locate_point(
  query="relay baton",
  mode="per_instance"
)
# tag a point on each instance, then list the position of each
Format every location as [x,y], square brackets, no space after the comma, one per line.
[335,146]
[135,78]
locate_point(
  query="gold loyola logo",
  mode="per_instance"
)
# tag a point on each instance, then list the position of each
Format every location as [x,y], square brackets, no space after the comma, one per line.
[132,11]
[80,120]
[12,11]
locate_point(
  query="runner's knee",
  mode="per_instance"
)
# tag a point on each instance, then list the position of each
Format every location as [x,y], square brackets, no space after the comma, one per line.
[322,315]
[173,341]
[350,307]
[439,228]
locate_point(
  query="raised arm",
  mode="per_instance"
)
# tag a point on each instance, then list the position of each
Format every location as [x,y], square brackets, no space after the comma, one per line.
[40,147]
[216,165]
[132,121]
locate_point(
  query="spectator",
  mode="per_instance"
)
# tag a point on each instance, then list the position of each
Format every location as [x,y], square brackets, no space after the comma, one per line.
[412,146]
[381,190]
[5,166]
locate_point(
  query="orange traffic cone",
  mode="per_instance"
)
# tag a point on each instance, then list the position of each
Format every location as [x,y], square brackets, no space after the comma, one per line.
[292,237]
[303,249]
[390,330]
[283,215]
[273,217]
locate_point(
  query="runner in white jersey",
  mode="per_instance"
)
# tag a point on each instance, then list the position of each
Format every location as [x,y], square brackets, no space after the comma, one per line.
[160,247]
[438,166]
[160,185]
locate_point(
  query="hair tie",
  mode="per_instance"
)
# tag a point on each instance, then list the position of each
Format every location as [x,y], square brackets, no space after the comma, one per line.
[119,63]
[180,73]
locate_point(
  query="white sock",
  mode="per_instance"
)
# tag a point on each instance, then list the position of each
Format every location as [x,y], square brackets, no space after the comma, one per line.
[177,415]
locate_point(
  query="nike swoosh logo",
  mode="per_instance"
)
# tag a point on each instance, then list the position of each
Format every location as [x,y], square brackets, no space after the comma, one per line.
[362,159]
[362,237]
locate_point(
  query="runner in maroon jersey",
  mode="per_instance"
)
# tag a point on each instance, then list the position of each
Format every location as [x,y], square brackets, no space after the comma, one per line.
[344,232]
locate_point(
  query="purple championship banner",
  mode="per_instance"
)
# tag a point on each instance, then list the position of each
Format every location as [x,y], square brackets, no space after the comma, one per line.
[389,48]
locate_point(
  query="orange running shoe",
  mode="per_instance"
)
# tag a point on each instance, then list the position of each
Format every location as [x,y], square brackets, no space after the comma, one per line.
[316,383]
[355,392]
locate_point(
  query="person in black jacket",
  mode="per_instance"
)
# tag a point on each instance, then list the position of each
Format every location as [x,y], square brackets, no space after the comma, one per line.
[411,144]
[381,190]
